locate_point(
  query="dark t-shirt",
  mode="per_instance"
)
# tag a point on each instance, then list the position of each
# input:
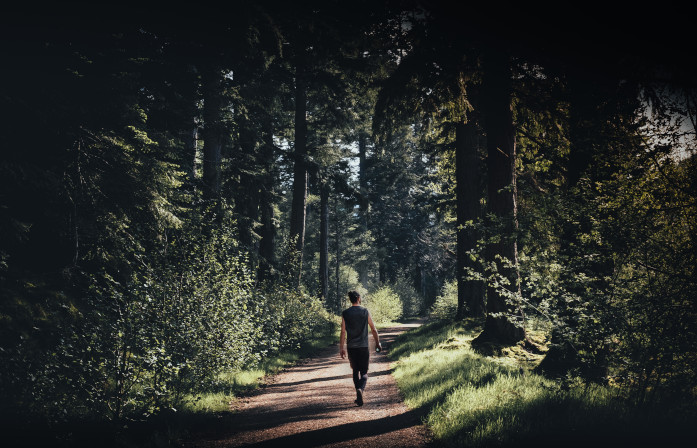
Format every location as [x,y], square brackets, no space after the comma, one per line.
[356,318]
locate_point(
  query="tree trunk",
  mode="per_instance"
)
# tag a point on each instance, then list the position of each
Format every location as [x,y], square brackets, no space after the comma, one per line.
[338,254]
[192,151]
[504,319]
[268,228]
[324,241]
[363,210]
[300,173]
[267,241]
[470,293]
[382,273]
[582,110]
[212,131]
[247,197]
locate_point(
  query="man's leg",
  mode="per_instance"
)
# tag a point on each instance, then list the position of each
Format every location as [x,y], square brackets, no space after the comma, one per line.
[363,370]
[359,358]
[357,384]
[356,376]
[363,367]
[363,379]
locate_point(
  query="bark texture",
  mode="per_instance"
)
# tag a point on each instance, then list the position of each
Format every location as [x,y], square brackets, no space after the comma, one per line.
[212,131]
[504,319]
[300,172]
[470,293]
[363,210]
[324,242]
[268,225]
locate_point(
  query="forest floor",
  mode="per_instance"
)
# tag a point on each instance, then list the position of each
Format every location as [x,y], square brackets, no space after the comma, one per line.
[312,405]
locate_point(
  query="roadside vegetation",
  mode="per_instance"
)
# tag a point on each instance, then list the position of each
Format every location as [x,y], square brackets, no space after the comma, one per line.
[493,396]
[197,411]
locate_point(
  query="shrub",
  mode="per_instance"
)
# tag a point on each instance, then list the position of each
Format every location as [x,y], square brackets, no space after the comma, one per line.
[292,317]
[168,327]
[445,305]
[384,305]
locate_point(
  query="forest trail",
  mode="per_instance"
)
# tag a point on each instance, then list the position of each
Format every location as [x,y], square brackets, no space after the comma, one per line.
[312,405]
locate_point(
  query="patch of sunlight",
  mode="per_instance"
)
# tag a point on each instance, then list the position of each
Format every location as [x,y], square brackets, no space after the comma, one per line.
[492,408]
[207,402]
[470,399]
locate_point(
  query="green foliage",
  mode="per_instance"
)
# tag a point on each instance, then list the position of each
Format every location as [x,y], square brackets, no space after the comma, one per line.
[291,318]
[445,306]
[384,305]
[604,254]
[126,291]
[404,223]
[469,399]
[139,347]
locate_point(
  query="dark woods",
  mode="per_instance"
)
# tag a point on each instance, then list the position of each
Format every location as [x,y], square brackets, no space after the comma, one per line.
[189,191]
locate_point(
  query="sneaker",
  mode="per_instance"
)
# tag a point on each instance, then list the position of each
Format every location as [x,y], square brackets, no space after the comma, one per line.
[359,397]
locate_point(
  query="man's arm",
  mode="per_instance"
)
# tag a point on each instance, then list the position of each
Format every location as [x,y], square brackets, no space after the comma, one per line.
[375,332]
[342,339]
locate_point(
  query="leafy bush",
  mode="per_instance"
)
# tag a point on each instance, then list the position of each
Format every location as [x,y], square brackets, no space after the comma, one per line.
[292,317]
[445,305]
[135,346]
[384,305]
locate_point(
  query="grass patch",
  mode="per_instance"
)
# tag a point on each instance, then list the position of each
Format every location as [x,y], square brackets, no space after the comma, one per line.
[468,398]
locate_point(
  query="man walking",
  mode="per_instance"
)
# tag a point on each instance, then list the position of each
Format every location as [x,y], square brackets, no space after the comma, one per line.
[354,323]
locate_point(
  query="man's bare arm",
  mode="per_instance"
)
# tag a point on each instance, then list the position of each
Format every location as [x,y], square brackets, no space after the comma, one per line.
[375,332]
[342,339]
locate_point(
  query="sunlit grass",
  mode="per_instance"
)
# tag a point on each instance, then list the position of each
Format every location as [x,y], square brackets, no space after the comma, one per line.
[469,399]
[208,402]
[383,325]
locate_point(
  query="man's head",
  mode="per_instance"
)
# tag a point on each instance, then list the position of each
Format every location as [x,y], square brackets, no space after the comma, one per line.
[354,297]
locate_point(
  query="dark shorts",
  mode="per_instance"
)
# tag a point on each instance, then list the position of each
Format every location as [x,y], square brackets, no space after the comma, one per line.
[359,358]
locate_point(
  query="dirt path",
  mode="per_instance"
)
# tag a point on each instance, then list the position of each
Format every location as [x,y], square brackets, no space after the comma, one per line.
[311,405]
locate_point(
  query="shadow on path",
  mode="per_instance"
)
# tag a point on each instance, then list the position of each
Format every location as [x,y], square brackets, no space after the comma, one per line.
[343,433]
[328,378]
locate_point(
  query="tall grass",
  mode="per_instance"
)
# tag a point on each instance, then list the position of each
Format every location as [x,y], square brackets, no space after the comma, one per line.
[468,399]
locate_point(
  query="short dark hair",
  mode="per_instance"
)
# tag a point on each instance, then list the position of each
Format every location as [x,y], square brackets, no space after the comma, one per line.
[354,296]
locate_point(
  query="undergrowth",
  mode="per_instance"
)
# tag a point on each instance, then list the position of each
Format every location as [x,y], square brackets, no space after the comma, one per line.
[471,399]
[198,411]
